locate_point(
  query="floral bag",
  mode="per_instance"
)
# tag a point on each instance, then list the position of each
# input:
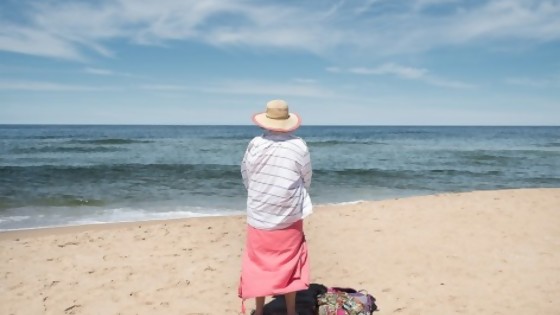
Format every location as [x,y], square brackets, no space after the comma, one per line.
[345,301]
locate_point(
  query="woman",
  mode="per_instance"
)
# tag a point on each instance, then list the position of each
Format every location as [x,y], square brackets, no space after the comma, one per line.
[276,171]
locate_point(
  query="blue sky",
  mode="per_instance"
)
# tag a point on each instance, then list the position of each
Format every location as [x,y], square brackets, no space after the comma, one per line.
[370,62]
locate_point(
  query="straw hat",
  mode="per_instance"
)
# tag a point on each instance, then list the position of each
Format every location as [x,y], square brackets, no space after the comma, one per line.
[277,117]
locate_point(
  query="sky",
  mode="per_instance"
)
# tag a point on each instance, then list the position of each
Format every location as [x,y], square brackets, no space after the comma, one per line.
[369,62]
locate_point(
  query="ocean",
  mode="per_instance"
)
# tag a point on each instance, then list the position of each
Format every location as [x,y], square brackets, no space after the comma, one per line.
[55,175]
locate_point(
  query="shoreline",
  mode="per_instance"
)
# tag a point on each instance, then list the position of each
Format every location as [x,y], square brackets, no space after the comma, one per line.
[69,229]
[483,252]
[235,213]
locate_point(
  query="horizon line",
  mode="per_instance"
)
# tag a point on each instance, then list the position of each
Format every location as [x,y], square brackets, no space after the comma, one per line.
[251,125]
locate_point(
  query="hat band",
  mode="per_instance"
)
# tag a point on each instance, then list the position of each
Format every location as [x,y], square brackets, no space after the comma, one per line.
[277,113]
[278,118]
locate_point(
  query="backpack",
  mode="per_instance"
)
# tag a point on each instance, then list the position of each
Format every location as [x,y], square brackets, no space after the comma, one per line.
[345,301]
[306,301]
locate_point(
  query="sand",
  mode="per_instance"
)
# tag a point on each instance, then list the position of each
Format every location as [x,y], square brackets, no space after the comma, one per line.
[489,252]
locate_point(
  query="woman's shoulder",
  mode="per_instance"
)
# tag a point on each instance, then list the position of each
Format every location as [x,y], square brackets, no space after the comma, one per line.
[298,142]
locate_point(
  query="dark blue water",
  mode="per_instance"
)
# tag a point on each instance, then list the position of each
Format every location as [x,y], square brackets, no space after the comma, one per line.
[67,175]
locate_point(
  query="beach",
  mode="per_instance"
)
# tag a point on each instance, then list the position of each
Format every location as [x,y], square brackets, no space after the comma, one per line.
[484,252]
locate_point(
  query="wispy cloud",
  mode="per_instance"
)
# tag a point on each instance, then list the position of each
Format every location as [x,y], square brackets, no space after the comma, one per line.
[366,5]
[168,87]
[404,72]
[247,88]
[541,83]
[73,30]
[39,86]
[32,41]
[421,4]
[393,69]
[98,71]
[305,80]
[334,69]
[107,72]
[225,87]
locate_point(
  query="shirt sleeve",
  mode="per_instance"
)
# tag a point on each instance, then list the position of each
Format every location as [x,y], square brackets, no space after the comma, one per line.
[306,170]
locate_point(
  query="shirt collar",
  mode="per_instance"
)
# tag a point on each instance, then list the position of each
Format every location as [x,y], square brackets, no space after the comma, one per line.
[277,135]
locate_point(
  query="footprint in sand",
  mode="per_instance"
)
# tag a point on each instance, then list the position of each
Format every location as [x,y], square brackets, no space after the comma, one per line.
[72,309]
[68,244]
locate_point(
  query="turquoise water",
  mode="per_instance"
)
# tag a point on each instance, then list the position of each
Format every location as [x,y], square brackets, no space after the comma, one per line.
[69,175]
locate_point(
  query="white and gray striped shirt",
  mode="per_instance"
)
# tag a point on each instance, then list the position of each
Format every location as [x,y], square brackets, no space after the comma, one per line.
[276,171]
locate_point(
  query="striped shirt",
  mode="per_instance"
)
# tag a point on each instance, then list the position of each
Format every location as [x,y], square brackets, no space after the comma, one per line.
[276,171]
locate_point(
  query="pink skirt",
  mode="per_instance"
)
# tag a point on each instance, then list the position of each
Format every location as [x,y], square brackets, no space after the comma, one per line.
[274,262]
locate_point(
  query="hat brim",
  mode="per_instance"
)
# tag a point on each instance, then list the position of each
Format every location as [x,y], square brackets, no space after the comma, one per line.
[280,125]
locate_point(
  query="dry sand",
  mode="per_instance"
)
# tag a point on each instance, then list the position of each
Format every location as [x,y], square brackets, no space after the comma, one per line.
[491,252]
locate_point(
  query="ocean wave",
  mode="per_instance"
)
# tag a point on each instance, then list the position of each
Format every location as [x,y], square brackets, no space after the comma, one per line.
[166,172]
[52,201]
[362,173]
[315,143]
[550,145]
[43,137]
[463,172]
[109,141]
[343,203]
[15,218]
[141,173]
[483,156]
[64,149]
[61,217]
[399,174]
[548,180]
[500,157]
[233,137]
